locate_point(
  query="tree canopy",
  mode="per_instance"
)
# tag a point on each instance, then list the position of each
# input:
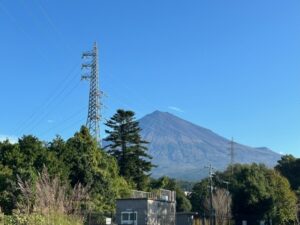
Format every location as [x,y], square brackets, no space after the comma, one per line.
[289,167]
[260,193]
[197,198]
[129,149]
[182,202]
[257,192]
[77,160]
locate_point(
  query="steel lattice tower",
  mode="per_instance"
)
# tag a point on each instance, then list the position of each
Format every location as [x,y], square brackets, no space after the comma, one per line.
[232,154]
[92,74]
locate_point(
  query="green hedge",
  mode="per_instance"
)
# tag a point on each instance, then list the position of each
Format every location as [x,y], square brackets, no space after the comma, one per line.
[37,219]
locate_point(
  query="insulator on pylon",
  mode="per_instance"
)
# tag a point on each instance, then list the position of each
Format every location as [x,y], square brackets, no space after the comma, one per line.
[93,118]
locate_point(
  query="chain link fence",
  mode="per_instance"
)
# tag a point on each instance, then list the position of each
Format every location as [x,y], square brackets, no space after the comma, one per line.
[99,218]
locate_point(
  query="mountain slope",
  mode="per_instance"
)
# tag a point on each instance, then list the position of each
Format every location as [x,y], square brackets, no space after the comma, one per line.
[182,149]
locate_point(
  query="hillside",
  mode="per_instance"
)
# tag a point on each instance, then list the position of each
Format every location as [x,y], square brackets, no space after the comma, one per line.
[182,149]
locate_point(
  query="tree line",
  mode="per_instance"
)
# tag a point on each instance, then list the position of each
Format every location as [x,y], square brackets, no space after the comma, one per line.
[251,192]
[108,173]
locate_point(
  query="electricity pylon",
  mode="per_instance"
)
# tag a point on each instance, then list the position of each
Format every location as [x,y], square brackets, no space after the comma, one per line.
[232,155]
[92,74]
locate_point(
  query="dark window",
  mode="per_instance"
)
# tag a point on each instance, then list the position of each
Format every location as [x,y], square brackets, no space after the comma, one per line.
[133,216]
[125,216]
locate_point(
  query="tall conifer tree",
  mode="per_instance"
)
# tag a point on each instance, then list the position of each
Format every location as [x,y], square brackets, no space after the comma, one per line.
[129,149]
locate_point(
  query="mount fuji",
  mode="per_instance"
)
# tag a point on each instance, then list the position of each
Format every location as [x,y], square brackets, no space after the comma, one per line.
[181,149]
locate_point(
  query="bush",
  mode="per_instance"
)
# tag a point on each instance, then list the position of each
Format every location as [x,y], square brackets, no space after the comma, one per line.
[38,219]
[1,217]
[51,196]
[47,202]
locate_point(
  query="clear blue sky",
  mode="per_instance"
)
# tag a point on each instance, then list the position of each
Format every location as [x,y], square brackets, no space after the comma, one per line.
[230,66]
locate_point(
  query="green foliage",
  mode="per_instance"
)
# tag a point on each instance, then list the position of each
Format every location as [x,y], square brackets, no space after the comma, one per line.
[91,166]
[25,159]
[127,146]
[77,160]
[284,200]
[198,196]
[258,193]
[182,202]
[164,183]
[7,189]
[289,167]
[38,219]
[186,185]
[21,159]
[261,193]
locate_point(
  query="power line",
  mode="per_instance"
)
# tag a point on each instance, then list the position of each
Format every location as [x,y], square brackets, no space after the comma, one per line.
[76,122]
[34,119]
[44,107]
[36,113]
[72,116]
[58,91]
[20,28]
[141,98]
[52,24]
[232,155]
[47,112]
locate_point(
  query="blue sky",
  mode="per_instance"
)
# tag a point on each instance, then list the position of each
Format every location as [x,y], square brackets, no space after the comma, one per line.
[230,66]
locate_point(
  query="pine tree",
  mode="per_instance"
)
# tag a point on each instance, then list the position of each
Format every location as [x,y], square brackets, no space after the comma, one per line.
[127,146]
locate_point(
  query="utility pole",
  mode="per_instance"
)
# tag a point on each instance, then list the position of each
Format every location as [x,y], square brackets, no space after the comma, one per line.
[91,67]
[211,187]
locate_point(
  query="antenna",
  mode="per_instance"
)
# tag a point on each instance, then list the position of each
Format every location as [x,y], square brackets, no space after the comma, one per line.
[91,73]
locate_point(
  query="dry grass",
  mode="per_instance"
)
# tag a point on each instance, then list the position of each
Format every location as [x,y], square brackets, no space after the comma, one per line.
[51,196]
[221,202]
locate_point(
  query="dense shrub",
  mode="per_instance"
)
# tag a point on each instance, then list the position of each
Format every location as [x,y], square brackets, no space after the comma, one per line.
[38,219]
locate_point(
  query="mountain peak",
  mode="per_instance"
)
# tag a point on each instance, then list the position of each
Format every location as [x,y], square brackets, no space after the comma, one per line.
[159,113]
[163,115]
[169,122]
[159,116]
[181,149]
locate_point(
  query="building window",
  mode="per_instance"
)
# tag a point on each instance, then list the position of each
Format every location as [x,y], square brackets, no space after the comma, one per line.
[129,217]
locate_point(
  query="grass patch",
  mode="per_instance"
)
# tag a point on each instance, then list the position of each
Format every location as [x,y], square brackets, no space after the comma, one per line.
[38,219]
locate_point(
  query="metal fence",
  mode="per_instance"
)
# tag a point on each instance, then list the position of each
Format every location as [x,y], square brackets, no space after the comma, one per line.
[160,194]
[99,218]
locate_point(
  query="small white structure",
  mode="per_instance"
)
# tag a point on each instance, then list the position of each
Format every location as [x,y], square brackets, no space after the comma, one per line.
[108,221]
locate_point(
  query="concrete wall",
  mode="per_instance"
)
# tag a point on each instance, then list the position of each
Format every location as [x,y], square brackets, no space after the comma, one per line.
[161,212]
[149,212]
[187,219]
[132,205]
